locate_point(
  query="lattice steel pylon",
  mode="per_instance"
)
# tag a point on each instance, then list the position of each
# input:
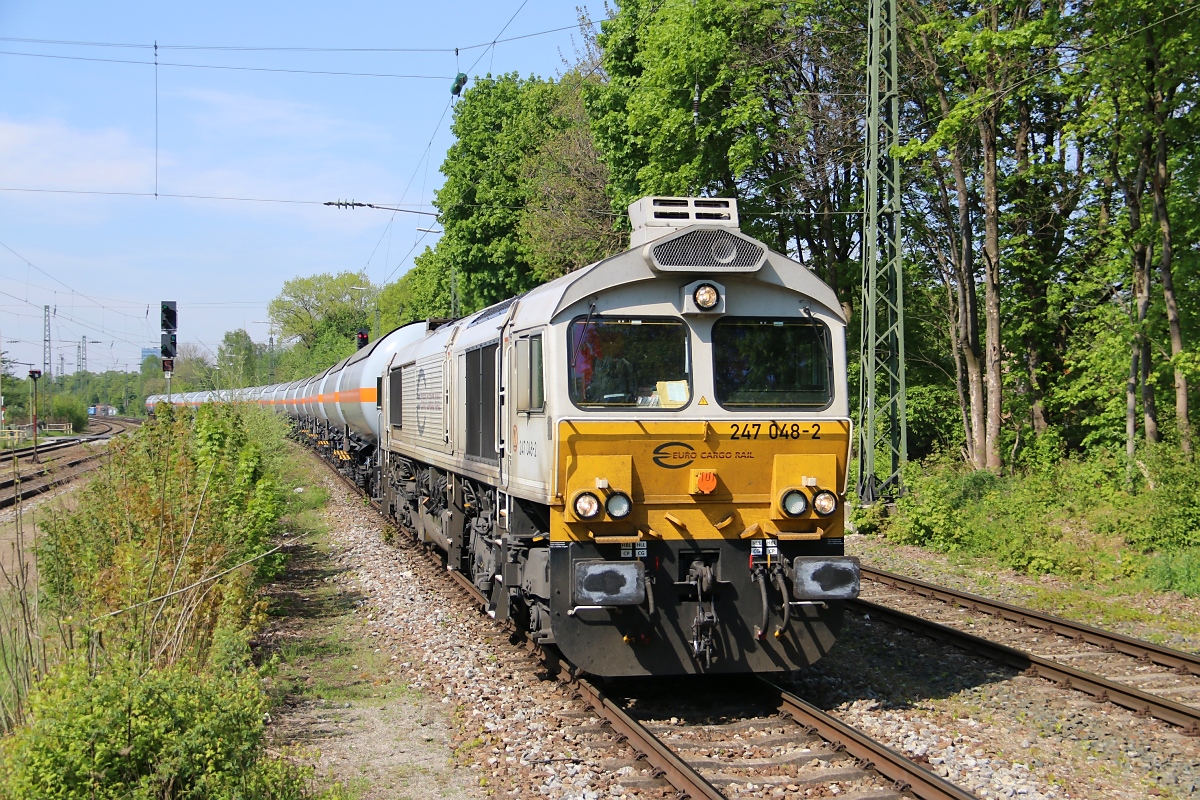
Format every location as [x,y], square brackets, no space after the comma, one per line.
[882,386]
[47,356]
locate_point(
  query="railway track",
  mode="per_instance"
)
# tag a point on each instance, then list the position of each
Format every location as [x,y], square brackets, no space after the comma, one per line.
[1144,677]
[54,464]
[761,736]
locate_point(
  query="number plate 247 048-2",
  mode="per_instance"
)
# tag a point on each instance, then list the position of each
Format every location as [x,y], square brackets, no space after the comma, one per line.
[775,430]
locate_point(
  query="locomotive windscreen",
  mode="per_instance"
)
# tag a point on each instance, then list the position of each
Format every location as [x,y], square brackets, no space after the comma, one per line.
[775,363]
[629,362]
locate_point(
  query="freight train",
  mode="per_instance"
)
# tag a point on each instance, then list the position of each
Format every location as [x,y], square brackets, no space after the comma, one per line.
[642,463]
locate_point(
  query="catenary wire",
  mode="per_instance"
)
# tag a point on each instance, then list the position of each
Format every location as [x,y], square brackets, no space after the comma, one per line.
[229,67]
[269,49]
[427,147]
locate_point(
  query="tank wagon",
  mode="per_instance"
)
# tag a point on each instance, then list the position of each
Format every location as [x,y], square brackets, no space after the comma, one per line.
[643,463]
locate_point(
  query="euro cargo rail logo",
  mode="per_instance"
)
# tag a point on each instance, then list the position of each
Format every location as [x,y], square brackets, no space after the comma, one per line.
[674,455]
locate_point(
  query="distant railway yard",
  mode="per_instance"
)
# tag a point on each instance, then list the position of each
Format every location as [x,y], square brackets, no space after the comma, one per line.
[32,470]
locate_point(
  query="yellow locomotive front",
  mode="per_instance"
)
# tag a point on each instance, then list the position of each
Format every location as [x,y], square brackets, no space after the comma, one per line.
[698,514]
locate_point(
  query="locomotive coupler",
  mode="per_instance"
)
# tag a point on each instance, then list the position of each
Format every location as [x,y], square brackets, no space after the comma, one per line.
[701,574]
[702,634]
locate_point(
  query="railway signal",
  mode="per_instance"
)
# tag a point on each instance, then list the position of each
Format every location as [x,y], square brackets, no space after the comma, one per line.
[362,338]
[169,322]
[169,316]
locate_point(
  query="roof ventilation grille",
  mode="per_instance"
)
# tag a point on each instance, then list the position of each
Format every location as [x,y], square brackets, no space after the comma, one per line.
[709,249]
[655,217]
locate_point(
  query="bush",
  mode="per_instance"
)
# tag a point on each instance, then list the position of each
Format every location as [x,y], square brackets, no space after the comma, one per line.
[1098,517]
[71,409]
[1053,516]
[154,699]
[187,496]
[1164,514]
[168,733]
[1177,571]
[934,421]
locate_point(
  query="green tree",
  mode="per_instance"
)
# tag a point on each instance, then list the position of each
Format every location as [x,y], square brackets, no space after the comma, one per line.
[498,124]
[567,223]
[70,409]
[306,306]
[746,99]
[240,360]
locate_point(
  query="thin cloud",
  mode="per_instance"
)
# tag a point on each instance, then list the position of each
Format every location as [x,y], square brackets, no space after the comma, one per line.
[51,155]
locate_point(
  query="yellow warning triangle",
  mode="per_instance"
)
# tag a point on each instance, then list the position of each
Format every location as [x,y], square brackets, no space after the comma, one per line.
[702,402]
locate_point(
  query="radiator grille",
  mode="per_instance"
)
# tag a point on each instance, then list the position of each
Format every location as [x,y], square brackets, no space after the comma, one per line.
[708,249]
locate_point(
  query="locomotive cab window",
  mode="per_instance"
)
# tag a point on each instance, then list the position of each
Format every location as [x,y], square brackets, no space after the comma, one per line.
[530,381]
[771,363]
[623,362]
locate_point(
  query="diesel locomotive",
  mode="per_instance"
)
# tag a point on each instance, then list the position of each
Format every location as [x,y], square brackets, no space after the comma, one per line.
[642,463]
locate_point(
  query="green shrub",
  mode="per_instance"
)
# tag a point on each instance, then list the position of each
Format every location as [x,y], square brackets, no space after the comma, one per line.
[1164,514]
[868,520]
[167,733]
[934,421]
[1098,517]
[71,409]
[1044,519]
[1177,571]
[189,495]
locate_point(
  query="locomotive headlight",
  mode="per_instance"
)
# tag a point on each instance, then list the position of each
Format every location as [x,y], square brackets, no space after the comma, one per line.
[706,297]
[794,502]
[618,505]
[825,503]
[587,505]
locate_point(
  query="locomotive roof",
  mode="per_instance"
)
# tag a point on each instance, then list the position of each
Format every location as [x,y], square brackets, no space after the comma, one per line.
[547,301]
[544,303]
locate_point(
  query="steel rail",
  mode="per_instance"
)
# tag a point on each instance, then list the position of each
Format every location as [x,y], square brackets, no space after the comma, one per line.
[904,773]
[9,483]
[33,491]
[1102,689]
[1108,640]
[673,768]
[51,445]
[41,488]
[663,759]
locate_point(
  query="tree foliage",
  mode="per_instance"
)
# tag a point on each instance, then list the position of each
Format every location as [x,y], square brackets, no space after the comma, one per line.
[1049,191]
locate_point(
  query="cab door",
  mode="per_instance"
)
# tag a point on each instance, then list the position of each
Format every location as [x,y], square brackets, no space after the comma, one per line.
[528,447]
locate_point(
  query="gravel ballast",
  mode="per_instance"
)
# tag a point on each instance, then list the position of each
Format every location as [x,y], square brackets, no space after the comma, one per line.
[512,732]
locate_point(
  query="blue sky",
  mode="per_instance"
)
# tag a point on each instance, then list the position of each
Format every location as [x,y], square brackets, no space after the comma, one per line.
[99,260]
